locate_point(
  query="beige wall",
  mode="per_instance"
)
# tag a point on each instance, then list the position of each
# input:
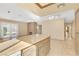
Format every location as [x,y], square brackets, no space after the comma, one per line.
[23,29]
[54,28]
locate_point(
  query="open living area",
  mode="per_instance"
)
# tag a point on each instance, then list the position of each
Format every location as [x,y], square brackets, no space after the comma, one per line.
[39,29]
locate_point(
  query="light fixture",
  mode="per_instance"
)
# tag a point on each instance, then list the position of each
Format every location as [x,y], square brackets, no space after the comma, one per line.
[61,5]
[51,17]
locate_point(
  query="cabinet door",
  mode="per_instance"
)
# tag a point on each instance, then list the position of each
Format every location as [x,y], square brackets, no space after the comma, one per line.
[16,54]
[43,47]
[30,51]
[43,50]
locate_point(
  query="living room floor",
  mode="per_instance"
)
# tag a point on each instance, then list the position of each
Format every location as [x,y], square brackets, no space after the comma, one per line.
[62,47]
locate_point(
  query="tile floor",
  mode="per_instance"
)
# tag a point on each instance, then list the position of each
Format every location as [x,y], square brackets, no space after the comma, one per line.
[62,47]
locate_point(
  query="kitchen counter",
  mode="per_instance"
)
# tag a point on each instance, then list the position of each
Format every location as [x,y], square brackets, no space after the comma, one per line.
[32,39]
[15,45]
[41,41]
[18,47]
[6,44]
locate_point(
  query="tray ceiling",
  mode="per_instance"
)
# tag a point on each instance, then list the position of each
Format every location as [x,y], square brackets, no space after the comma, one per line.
[49,9]
[43,5]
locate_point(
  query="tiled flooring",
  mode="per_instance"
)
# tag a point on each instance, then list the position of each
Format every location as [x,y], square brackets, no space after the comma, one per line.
[62,47]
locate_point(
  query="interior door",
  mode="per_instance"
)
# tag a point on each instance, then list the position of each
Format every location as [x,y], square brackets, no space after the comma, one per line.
[32,28]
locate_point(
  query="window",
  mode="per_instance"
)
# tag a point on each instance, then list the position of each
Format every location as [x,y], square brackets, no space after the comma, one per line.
[8,30]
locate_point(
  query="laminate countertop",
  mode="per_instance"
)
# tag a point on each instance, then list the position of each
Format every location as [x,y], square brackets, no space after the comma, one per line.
[15,48]
[32,39]
[12,46]
[6,44]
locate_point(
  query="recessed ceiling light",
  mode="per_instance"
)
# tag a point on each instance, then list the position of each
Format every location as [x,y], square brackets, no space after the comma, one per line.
[51,17]
[61,5]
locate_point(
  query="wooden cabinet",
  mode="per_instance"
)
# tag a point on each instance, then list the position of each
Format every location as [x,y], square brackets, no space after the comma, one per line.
[40,48]
[43,47]
[43,50]
[30,51]
[41,43]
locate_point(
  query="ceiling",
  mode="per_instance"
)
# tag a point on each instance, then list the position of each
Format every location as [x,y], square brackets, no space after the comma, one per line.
[68,16]
[30,12]
[43,5]
[12,12]
[47,10]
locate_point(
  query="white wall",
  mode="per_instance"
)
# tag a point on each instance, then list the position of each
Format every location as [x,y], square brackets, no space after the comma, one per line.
[54,28]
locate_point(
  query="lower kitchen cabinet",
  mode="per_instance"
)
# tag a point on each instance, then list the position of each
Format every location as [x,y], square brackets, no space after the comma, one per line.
[33,45]
[40,48]
[43,50]
[30,51]
[43,47]
[16,54]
